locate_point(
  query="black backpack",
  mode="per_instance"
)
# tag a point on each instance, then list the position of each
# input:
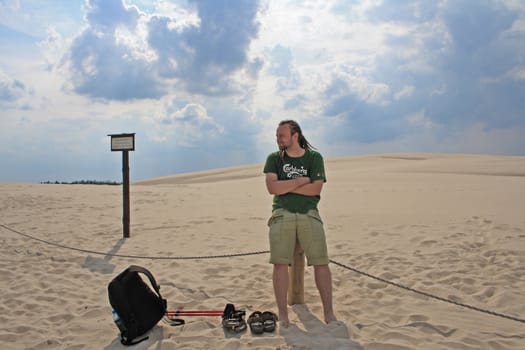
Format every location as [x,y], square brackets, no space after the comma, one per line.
[138,306]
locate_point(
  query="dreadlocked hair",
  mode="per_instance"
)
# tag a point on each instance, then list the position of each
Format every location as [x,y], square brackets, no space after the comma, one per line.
[295,128]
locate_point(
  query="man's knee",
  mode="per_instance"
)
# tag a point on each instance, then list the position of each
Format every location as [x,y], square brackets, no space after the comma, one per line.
[280,267]
[322,268]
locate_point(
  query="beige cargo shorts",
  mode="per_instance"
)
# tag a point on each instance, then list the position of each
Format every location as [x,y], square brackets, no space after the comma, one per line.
[307,229]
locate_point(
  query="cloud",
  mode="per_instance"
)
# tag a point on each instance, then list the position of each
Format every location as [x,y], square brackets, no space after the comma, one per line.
[125,54]
[280,61]
[405,92]
[189,124]
[12,91]
[295,101]
[419,119]
[404,11]
[473,26]
[108,15]
[104,67]
[205,56]
[350,89]
[281,65]
[224,34]
[458,61]
[194,76]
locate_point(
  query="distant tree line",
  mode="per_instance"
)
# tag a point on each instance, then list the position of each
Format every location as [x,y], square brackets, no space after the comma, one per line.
[83,182]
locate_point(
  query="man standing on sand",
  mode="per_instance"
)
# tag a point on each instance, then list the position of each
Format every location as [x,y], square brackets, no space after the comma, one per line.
[295,176]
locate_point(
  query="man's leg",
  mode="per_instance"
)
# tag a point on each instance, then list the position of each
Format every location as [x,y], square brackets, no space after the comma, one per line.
[323,281]
[280,288]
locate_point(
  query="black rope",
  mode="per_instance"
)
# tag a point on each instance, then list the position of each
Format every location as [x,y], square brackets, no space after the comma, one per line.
[133,256]
[398,285]
[428,294]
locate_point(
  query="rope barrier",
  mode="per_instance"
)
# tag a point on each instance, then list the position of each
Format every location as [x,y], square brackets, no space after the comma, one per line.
[133,256]
[398,285]
[450,301]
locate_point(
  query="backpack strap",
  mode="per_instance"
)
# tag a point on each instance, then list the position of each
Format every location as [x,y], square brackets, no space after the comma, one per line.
[147,273]
[127,342]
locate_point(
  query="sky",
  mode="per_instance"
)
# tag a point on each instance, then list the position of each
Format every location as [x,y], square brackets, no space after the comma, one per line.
[203,84]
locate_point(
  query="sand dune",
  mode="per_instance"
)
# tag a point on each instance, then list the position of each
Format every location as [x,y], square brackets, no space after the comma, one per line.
[448,225]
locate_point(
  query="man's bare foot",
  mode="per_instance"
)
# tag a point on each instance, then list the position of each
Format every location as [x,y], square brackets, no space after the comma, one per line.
[283,320]
[284,324]
[330,318]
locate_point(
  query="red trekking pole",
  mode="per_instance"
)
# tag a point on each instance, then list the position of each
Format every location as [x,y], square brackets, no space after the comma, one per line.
[231,318]
[182,312]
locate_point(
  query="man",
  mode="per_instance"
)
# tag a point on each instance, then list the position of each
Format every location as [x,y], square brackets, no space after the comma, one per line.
[295,176]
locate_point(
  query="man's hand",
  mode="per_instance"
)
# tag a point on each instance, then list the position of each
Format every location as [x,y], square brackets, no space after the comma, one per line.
[276,186]
[310,188]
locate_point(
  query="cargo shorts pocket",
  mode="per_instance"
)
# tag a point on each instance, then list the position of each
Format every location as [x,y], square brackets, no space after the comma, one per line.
[316,226]
[281,226]
[275,223]
[277,215]
[314,214]
[315,242]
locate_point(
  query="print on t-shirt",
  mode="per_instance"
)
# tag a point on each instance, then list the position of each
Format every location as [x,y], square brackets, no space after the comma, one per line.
[292,172]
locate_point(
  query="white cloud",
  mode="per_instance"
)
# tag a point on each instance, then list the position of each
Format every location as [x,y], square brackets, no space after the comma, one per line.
[188,125]
[419,119]
[183,17]
[11,90]
[52,48]
[406,91]
[518,74]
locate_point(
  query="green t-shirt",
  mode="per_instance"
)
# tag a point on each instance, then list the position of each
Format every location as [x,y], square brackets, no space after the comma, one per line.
[311,164]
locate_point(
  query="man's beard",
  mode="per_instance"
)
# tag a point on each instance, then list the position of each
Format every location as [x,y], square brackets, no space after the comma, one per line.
[283,147]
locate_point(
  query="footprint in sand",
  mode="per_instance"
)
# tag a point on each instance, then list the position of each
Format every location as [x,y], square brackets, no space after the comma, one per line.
[428,243]
[417,239]
[417,318]
[488,292]
[373,285]
[442,330]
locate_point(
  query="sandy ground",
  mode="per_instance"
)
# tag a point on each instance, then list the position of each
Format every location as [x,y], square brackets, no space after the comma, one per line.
[449,225]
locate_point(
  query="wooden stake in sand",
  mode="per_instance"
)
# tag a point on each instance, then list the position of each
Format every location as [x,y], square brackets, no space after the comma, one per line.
[296,277]
[124,143]
[125,193]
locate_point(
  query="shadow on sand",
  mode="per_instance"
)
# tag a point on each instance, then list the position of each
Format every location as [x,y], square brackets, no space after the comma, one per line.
[103,265]
[315,334]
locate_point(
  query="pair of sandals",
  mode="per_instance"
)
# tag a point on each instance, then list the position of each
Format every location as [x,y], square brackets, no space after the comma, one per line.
[261,322]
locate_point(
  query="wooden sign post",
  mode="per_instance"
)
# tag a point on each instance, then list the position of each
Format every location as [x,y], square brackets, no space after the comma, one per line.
[124,143]
[296,277]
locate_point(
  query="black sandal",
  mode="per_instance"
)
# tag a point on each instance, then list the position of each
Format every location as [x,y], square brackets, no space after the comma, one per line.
[269,321]
[256,323]
[234,321]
